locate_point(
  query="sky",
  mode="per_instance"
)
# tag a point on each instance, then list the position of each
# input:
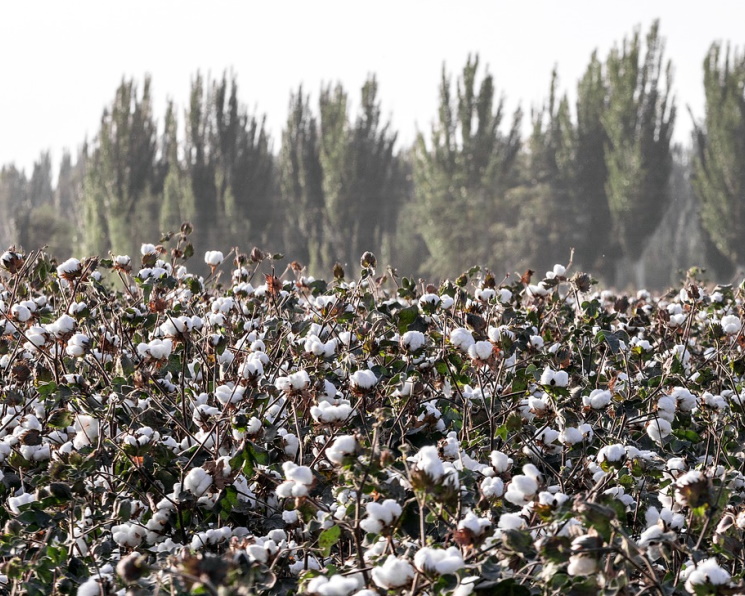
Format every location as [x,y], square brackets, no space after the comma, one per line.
[62,61]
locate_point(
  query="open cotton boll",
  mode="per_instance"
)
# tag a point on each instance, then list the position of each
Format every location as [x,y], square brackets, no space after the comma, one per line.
[480,350]
[413,340]
[612,453]
[336,585]
[197,481]
[393,573]
[69,268]
[380,515]
[492,487]
[213,258]
[87,427]
[229,394]
[15,503]
[500,461]
[554,378]
[658,429]
[461,338]
[684,399]
[706,573]
[342,447]
[438,561]
[597,400]
[731,324]
[327,413]
[77,345]
[129,534]
[157,349]
[364,379]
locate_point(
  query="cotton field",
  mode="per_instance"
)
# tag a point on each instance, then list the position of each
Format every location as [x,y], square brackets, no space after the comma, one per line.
[264,432]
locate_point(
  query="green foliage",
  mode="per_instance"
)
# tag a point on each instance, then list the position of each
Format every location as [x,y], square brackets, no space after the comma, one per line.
[463,171]
[638,122]
[719,167]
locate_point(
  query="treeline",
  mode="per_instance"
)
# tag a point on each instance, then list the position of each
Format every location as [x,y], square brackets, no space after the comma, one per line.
[601,177]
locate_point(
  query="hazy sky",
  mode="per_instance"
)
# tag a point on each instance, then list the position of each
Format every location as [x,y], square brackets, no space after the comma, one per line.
[62,61]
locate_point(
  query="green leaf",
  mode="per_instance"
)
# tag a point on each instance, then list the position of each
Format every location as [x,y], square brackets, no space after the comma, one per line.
[328,538]
[60,419]
[509,587]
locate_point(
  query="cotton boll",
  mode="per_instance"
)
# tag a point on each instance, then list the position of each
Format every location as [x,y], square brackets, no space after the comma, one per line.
[480,350]
[394,573]
[413,340]
[492,487]
[500,461]
[364,379]
[731,324]
[342,447]
[597,400]
[438,561]
[658,429]
[197,481]
[582,565]
[213,258]
[461,338]
[15,503]
[88,428]
[612,453]
[706,573]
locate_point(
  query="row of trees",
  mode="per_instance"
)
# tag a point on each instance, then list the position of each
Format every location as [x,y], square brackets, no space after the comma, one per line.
[601,177]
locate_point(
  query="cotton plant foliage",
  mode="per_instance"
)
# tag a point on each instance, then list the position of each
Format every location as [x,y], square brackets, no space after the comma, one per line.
[261,431]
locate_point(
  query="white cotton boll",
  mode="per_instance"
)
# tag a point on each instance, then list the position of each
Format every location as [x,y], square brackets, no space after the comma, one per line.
[69,267]
[505,295]
[92,587]
[327,413]
[213,258]
[363,379]
[429,462]
[447,302]
[299,474]
[477,525]
[394,573]
[461,338]
[658,429]
[598,399]
[571,436]
[511,521]
[492,487]
[500,461]
[612,453]
[62,326]
[227,394]
[77,345]
[20,313]
[429,299]
[716,402]
[254,426]
[537,342]
[484,294]
[582,565]
[413,340]
[197,481]
[480,350]
[731,324]
[15,503]
[685,400]
[707,572]
[336,585]
[438,561]
[666,407]
[87,431]
[342,447]
[128,534]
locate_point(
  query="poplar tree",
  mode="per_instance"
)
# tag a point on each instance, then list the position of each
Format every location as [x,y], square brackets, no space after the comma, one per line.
[117,190]
[719,164]
[301,183]
[462,172]
[638,123]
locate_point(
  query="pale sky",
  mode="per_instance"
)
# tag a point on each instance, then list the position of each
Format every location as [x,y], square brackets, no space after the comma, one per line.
[62,61]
